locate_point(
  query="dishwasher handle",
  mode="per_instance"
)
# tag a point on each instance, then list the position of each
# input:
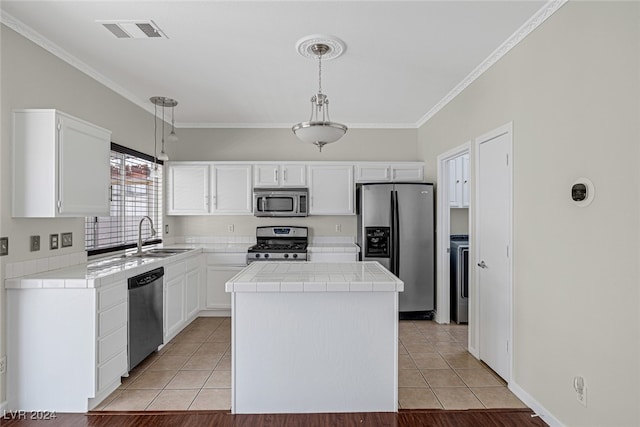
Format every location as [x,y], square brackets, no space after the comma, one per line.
[146,278]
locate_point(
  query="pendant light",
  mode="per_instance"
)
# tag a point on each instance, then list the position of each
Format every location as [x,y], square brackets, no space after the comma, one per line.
[320,130]
[163,102]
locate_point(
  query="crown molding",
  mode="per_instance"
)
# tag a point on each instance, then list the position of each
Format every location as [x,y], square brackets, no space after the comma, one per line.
[532,23]
[545,12]
[37,38]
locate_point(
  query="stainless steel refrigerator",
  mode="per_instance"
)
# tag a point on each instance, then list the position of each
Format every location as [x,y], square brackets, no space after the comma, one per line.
[396,228]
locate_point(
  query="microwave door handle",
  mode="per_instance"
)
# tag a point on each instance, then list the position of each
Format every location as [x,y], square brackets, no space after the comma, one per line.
[296,202]
[262,204]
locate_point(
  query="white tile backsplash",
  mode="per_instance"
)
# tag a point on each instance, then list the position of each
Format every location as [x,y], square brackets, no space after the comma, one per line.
[40,265]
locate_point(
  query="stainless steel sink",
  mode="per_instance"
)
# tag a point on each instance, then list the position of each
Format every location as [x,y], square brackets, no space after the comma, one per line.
[162,252]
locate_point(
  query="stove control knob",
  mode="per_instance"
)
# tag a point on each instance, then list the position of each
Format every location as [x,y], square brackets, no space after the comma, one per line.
[286,255]
[295,255]
[257,255]
[266,255]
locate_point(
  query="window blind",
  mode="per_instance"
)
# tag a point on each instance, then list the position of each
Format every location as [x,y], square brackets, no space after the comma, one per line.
[136,191]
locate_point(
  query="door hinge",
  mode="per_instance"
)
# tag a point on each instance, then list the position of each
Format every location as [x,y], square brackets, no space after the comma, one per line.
[507,251]
[59,203]
[59,126]
[448,250]
[507,346]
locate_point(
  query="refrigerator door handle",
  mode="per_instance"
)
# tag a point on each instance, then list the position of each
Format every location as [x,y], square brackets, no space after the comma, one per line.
[392,237]
[396,238]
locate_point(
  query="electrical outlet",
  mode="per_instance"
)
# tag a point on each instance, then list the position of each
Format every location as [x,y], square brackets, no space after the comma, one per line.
[3,365]
[4,246]
[53,241]
[35,243]
[166,229]
[67,240]
[230,228]
[338,228]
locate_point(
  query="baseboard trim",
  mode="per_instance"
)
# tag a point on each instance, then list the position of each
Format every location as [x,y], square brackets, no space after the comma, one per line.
[532,403]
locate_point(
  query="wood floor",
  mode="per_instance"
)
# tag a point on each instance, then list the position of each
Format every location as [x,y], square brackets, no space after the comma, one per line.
[404,418]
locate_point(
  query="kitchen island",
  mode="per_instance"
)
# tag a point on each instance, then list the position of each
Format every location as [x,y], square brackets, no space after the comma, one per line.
[314,337]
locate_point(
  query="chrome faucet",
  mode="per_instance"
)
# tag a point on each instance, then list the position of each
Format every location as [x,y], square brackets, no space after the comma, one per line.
[153,233]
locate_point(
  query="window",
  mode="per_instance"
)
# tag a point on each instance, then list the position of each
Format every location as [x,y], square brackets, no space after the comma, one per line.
[136,191]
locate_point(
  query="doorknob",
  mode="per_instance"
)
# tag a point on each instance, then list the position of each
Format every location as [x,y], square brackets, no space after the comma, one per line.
[482,264]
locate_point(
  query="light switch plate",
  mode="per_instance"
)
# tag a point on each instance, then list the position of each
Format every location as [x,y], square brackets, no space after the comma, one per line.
[34,243]
[53,241]
[4,246]
[67,240]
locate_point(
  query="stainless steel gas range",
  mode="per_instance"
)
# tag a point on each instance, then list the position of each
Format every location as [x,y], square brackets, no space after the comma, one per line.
[279,244]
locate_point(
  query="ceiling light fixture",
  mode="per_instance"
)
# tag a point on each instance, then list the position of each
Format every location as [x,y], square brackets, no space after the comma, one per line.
[163,102]
[320,130]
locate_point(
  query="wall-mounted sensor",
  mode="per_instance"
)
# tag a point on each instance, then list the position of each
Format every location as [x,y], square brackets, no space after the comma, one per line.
[582,192]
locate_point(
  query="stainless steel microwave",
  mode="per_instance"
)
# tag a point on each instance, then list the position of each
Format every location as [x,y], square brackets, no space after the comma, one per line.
[280,201]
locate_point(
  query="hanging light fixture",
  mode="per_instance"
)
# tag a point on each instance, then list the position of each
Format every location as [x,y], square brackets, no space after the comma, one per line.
[320,130]
[163,102]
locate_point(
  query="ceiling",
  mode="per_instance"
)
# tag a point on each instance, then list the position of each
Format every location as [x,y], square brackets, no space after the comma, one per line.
[234,63]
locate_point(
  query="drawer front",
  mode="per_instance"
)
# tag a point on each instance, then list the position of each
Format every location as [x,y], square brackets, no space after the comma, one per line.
[193,263]
[111,295]
[112,319]
[112,344]
[172,271]
[112,370]
[227,259]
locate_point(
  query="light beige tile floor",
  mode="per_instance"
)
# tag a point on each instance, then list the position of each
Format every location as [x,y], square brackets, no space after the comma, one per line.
[437,371]
[193,372]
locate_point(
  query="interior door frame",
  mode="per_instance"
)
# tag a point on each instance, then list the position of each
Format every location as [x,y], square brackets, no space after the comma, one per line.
[443,300]
[506,129]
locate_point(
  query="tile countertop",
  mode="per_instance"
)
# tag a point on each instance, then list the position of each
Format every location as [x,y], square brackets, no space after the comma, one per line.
[94,272]
[315,277]
[112,268]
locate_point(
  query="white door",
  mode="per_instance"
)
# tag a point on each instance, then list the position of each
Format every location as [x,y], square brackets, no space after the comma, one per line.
[493,241]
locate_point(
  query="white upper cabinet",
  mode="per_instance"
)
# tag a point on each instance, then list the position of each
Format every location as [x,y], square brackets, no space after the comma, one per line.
[188,188]
[231,189]
[459,181]
[279,175]
[60,166]
[208,188]
[331,189]
[389,172]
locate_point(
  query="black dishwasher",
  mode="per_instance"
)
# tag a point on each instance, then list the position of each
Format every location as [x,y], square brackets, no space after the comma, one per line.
[145,315]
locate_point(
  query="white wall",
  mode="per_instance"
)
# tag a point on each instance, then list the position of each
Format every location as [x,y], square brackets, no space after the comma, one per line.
[33,78]
[282,145]
[572,90]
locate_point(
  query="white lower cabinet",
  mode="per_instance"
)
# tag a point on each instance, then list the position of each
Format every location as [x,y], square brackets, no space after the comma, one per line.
[333,256]
[174,300]
[66,348]
[181,294]
[192,293]
[220,268]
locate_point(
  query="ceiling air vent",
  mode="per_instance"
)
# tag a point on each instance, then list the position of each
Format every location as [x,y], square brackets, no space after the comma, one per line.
[133,29]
